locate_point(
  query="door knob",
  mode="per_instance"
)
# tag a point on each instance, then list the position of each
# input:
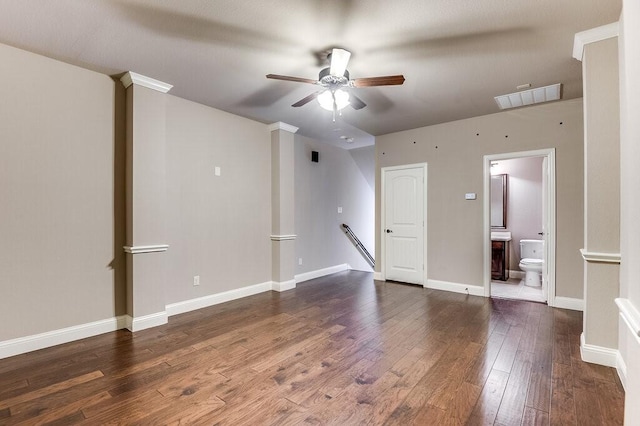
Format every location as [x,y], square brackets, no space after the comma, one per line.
[540,233]
[389,231]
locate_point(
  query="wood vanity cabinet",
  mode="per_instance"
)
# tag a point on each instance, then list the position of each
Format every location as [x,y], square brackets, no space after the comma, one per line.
[500,260]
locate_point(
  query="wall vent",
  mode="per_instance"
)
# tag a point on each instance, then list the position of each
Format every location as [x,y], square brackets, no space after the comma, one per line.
[530,97]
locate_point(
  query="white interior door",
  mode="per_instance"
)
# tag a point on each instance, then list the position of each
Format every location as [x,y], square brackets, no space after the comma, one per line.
[403,230]
[545,226]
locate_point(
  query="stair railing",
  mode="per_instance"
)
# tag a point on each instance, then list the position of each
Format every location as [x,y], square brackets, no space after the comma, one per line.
[359,244]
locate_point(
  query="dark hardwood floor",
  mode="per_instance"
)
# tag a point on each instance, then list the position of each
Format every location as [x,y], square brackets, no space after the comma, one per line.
[342,350]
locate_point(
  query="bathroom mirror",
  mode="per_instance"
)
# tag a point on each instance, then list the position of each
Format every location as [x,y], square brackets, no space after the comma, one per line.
[499,201]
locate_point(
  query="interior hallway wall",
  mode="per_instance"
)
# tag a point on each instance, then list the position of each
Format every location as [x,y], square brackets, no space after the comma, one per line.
[218,226]
[454,152]
[61,195]
[337,180]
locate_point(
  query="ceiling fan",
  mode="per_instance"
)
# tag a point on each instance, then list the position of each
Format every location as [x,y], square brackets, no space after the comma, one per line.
[334,81]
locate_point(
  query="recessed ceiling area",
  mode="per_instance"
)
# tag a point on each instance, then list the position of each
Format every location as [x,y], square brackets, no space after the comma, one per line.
[456,56]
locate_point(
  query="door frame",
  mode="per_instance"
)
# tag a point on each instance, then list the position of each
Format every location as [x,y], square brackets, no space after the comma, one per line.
[550,154]
[383,256]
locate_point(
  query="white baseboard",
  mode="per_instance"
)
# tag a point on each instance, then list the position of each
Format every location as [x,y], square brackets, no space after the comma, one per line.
[569,303]
[146,321]
[378,276]
[516,274]
[473,290]
[598,354]
[283,286]
[321,272]
[214,299]
[57,337]
[621,368]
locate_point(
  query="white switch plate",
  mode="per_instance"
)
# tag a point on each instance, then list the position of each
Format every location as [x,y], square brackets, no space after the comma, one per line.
[470,196]
[217,171]
[339,209]
[196,280]
[299,261]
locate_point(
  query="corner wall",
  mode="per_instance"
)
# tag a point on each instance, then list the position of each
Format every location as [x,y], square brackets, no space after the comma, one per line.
[61,195]
[454,152]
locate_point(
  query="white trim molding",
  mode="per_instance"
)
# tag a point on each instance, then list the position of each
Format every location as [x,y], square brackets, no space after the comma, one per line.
[378,276]
[279,125]
[283,237]
[306,276]
[569,303]
[598,354]
[621,368]
[473,290]
[146,249]
[630,315]
[215,299]
[150,83]
[590,256]
[146,321]
[283,286]
[593,35]
[57,337]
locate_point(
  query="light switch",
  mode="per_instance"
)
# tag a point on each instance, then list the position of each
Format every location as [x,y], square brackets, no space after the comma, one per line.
[339,209]
[470,196]
[217,171]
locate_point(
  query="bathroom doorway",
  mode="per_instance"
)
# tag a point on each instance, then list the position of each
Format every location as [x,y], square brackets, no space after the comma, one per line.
[527,215]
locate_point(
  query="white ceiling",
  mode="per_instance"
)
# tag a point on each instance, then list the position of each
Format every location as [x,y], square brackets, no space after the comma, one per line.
[455,55]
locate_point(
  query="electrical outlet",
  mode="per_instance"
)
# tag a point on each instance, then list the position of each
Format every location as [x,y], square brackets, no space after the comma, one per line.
[299,261]
[339,209]
[216,171]
[196,280]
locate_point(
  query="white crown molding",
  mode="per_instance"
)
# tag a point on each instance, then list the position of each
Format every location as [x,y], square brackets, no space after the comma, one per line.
[283,237]
[146,249]
[306,276]
[568,303]
[133,78]
[473,290]
[282,126]
[217,298]
[630,315]
[593,35]
[57,337]
[590,256]
[598,354]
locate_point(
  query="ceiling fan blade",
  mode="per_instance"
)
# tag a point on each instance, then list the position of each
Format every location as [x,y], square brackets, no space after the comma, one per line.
[339,61]
[306,100]
[356,102]
[289,78]
[389,80]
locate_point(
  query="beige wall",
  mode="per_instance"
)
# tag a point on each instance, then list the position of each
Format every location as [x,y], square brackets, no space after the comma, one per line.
[602,190]
[218,227]
[320,188]
[454,152]
[61,203]
[629,201]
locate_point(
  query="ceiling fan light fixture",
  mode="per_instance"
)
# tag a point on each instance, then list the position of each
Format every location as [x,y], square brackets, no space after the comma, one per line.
[326,99]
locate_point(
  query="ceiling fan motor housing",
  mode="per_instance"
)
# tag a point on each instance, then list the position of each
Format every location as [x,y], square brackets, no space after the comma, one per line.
[326,79]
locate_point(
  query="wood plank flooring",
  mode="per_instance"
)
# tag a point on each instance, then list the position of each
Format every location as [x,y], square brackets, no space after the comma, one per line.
[340,350]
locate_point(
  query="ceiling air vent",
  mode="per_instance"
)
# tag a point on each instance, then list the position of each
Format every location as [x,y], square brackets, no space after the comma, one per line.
[530,97]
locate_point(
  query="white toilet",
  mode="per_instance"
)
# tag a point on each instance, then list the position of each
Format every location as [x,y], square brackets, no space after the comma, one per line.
[531,255]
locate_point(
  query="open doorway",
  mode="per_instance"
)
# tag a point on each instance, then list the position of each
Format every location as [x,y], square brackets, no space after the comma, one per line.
[522,225]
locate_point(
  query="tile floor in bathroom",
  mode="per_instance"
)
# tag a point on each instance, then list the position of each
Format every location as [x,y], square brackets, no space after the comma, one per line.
[514,288]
